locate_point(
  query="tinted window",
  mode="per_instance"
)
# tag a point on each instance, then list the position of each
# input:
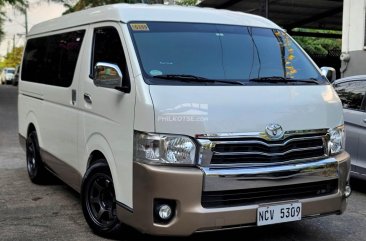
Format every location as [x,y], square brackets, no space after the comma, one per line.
[52,60]
[351,94]
[220,52]
[108,48]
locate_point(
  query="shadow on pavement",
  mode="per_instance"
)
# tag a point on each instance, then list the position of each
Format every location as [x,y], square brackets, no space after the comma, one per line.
[268,233]
[358,185]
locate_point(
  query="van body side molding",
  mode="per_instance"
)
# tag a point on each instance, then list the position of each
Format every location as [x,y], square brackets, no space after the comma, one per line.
[31,96]
[125,207]
[62,170]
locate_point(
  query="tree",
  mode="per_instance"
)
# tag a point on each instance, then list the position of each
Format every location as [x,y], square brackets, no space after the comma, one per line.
[316,46]
[84,4]
[11,2]
[12,58]
[2,14]
[187,2]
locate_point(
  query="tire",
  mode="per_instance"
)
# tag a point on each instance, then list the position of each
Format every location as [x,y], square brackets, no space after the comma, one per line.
[36,171]
[98,200]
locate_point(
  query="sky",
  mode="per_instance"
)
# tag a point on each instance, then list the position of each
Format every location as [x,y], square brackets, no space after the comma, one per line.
[39,11]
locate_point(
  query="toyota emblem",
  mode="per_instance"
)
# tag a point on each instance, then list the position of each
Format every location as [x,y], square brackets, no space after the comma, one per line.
[274,131]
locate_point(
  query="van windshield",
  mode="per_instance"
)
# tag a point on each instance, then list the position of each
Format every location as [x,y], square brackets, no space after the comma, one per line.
[170,53]
[10,71]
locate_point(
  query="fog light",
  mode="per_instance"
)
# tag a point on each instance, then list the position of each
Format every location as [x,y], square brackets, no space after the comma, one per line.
[165,212]
[347,191]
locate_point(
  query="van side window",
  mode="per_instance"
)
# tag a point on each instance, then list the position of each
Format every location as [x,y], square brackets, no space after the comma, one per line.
[52,59]
[351,94]
[108,48]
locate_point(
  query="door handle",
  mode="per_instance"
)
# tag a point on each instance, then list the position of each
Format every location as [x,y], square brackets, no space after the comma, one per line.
[87,98]
[364,120]
[73,96]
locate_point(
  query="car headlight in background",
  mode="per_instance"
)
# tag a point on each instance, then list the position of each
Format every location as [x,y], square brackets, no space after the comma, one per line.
[154,148]
[336,140]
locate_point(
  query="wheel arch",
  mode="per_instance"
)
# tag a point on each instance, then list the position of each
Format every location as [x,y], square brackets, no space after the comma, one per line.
[32,125]
[94,157]
[31,128]
[97,147]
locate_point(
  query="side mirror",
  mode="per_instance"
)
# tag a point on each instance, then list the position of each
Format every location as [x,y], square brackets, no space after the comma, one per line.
[329,73]
[107,75]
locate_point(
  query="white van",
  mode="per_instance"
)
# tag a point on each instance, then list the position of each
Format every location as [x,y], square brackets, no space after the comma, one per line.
[176,120]
[7,75]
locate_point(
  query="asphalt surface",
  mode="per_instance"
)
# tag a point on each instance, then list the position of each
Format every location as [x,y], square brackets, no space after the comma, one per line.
[53,212]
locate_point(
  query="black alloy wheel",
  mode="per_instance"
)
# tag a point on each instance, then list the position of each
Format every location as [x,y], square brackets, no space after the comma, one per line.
[35,168]
[99,201]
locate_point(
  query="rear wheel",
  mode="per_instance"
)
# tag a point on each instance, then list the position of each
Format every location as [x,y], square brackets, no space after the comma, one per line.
[36,171]
[99,201]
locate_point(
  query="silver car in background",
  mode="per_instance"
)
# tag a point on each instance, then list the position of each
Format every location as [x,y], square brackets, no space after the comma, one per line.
[351,90]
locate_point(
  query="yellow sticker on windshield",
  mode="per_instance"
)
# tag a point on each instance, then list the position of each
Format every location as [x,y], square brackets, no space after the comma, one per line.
[139,27]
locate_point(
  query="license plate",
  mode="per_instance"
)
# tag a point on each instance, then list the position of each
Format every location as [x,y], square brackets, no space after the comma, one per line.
[278,213]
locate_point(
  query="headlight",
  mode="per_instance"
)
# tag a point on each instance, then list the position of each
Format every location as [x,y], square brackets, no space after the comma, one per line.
[336,140]
[164,149]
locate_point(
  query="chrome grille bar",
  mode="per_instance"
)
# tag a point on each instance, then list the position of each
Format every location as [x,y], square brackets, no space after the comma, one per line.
[249,149]
[266,143]
[265,154]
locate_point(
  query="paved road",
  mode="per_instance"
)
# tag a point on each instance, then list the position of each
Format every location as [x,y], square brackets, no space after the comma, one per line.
[53,212]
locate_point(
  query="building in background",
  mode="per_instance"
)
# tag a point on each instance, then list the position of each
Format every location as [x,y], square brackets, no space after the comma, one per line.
[315,24]
[353,55]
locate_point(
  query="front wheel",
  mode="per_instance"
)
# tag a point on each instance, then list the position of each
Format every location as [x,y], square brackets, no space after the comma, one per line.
[98,200]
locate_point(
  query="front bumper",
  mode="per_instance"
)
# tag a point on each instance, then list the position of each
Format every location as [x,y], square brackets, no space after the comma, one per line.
[185,185]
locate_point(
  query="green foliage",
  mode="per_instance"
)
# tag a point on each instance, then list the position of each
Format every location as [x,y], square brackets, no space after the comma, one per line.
[11,2]
[187,2]
[313,45]
[12,58]
[84,4]
[2,14]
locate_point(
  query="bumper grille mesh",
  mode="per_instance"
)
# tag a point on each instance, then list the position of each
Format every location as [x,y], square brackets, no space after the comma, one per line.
[216,199]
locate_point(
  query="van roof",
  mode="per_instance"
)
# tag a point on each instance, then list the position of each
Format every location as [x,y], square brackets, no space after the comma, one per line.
[142,12]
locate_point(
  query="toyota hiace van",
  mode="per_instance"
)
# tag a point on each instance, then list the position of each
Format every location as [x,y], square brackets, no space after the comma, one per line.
[176,120]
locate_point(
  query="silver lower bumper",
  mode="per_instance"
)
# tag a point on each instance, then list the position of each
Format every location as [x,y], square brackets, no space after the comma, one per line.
[221,179]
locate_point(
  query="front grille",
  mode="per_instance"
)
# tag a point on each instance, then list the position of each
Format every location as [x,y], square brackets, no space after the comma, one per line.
[260,151]
[217,199]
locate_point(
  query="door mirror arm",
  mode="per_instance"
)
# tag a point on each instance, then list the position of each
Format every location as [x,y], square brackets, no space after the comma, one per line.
[329,73]
[124,89]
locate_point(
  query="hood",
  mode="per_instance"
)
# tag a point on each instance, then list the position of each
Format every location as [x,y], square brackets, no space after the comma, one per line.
[193,110]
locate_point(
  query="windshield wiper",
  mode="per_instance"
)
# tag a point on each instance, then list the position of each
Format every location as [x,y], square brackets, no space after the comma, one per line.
[194,78]
[280,79]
